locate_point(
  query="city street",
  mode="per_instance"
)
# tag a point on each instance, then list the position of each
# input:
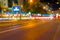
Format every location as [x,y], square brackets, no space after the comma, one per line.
[30,30]
[29,19]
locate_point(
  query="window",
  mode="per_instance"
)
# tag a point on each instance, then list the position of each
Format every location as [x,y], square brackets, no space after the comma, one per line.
[4,4]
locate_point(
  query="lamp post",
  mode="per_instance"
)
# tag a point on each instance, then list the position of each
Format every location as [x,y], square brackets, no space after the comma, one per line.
[31,2]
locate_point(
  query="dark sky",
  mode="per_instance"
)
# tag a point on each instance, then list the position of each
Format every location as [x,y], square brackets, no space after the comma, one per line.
[16,1]
[10,2]
[52,4]
[48,0]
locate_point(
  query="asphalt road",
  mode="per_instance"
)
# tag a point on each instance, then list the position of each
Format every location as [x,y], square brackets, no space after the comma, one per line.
[31,30]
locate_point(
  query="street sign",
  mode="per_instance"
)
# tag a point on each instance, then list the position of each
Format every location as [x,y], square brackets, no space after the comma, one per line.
[16,9]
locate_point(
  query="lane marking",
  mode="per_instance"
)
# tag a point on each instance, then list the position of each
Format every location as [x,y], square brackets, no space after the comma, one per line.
[10,30]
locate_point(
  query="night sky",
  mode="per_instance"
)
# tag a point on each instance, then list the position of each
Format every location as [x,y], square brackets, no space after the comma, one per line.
[49,0]
[52,4]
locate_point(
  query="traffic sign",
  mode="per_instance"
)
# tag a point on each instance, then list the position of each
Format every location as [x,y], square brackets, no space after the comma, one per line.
[16,9]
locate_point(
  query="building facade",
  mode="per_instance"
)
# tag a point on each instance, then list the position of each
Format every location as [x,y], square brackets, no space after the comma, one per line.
[4,4]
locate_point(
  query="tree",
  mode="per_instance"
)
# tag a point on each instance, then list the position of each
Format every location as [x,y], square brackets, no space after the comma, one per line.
[37,8]
[34,8]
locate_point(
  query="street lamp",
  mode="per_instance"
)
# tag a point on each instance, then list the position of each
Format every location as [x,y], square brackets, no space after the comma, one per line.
[49,10]
[48,3]
[44,7]
[31,1]
[57,2]
[59,8]
[52,12]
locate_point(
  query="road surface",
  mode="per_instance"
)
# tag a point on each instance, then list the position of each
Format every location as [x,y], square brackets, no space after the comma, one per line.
[30,30]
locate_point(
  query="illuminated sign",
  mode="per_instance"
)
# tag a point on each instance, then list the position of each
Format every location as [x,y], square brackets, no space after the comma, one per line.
[16,9]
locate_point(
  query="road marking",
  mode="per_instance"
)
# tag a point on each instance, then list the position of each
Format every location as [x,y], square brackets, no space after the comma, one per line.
[13,29]
[10,30]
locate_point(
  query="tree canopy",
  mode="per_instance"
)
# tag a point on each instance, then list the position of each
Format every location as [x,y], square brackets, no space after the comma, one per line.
[34,8]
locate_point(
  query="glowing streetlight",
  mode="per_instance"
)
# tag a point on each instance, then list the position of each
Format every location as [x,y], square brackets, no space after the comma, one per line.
[48,3]
[49,10]
[59,8]
[44,7]
[57,2]
[52,12]
[31,0]
[21,6]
